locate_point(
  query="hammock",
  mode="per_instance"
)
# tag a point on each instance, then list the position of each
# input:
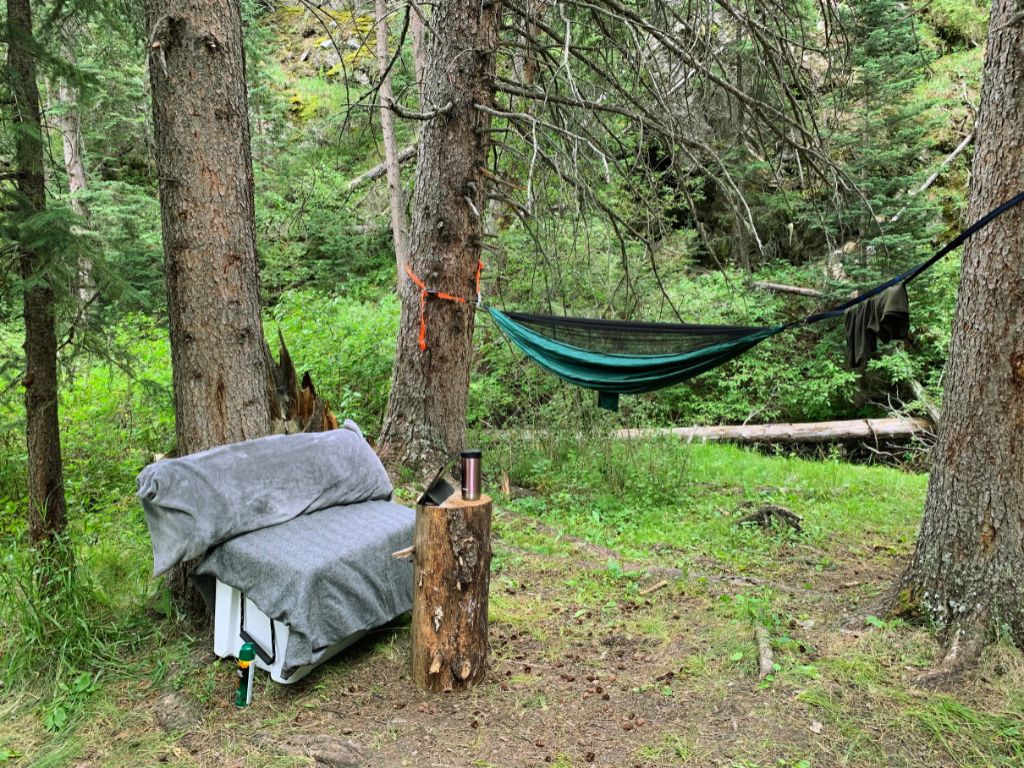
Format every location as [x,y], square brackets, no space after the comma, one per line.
[618,357]
[556,344]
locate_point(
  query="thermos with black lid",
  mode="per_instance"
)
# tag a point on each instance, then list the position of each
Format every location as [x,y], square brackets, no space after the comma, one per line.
[470,460]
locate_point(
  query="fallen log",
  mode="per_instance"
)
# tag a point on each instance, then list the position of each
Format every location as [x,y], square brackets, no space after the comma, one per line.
[794,289]
[877,430]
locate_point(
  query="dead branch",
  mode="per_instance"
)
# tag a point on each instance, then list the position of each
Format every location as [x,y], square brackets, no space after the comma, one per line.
[653,588]
[408,114]
[765,515]
[933,411]
[404,155]
[765,658]
[938,172]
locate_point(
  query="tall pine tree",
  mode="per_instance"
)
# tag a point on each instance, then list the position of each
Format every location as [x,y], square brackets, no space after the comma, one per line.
[967,572]
[201,122]
[47,507]
[886,125]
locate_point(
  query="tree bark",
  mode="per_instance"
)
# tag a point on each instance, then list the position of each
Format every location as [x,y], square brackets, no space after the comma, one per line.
[967,571]
[387,126]
[425,419]
[451,579]
[417,27]
[200,114]
[46,505]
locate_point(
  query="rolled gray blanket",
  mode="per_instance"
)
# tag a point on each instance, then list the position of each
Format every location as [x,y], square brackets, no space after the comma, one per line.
[198,501]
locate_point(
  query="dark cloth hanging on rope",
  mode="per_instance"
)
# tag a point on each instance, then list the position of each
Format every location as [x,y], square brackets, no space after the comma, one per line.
[885,317]
[620,357]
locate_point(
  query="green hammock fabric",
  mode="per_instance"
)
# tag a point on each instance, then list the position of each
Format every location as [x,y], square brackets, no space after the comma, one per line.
[698,349]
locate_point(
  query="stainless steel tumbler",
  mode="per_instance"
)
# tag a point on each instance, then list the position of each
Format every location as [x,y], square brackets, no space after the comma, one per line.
[470,475]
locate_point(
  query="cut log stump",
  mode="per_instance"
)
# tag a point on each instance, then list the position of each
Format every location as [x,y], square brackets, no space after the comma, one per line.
[451,578]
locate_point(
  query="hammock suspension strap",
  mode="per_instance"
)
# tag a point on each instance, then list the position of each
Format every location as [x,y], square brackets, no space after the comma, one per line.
[426,293]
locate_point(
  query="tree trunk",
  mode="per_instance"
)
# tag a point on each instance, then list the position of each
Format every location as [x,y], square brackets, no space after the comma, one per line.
[201,125]
[967,569]
[46,506]
[71,133]
[387,127]
[426,412]
[70,126]
[451,579]
[417,27]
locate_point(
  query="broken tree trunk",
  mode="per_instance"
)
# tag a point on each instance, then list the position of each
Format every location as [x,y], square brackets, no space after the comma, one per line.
[786,434]
[294,408]
[451,577]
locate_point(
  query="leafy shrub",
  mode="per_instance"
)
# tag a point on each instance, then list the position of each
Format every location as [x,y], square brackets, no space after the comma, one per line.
[959,23]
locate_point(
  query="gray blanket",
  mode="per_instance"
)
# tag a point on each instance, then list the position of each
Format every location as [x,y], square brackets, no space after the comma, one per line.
[326,575]
[198,501]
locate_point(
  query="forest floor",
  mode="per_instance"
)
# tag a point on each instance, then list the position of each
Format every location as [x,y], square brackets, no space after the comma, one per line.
[594,661]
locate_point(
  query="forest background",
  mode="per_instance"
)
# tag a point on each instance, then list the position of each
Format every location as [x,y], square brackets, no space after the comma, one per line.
[903,102]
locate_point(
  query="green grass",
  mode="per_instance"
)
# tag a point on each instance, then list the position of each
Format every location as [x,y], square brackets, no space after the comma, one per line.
[686,501]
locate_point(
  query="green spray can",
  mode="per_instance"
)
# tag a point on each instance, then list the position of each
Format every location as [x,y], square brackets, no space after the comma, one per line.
[246,671]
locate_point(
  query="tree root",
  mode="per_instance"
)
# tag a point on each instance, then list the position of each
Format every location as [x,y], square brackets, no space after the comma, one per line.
[965,640]
[902,600]
[766,515]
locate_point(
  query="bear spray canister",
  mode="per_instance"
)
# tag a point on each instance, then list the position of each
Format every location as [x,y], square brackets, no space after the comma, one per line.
[470,475]
[246,671]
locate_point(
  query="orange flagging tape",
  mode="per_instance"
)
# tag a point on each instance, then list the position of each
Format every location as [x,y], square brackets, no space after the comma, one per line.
[425,292]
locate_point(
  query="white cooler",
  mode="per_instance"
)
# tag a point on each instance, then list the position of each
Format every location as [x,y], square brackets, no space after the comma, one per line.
[237,620]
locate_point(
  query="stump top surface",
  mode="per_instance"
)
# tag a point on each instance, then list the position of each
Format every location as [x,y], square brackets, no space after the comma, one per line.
[455,501]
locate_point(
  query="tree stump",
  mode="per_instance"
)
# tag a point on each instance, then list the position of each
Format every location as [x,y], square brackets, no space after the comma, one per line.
[451,577]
